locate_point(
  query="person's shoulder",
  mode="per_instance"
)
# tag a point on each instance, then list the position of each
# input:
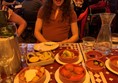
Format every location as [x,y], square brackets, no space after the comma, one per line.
[40,11]
[41,8]
[72,8]
[10,12]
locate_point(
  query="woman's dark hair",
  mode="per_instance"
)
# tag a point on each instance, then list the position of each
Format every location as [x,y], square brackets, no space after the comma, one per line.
[65,7]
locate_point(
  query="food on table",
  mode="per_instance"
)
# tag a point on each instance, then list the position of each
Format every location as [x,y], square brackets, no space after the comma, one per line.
[72,73]
[68,56]
[32,74]
[34,59]
[98,63]
[94,65]
[31,54]
[114,63]
[39,56]
[94,54]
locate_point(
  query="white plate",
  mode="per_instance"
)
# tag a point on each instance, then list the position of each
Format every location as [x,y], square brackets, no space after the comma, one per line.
[16,80]
[57,59]
[18,6]
[109,68]
[46,46]
[114,46]
[87,78]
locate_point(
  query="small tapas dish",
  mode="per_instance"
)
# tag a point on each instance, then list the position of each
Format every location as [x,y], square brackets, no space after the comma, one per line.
[72,73]
[68,56]
[95,65]
[109,68]
[94,54]
[113,63]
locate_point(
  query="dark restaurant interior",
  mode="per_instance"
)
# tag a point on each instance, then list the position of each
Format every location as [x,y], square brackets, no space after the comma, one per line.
[88,26]
[58,41]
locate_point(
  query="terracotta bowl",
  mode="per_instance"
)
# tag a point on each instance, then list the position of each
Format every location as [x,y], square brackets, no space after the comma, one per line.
[40,77]
[95,65]
[71,73]
[69,59]
[94,54]
[114,63]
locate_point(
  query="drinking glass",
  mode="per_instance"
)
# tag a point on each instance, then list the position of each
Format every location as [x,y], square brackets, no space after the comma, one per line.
[23,51]
[88,43]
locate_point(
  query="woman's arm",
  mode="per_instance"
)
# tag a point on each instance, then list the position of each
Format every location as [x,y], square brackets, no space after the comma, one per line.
[37,31]
[75,34]
[8,3]
[19,21]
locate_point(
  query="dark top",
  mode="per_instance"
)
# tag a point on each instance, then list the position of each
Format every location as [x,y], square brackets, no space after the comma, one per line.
[31,5]
[30,9]
[8,0]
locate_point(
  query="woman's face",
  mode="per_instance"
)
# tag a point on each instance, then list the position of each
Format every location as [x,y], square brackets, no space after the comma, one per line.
[58,2]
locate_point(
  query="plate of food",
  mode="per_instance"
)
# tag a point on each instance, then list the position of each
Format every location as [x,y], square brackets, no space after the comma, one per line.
[68,56]
[63,74]
[39,58]
[46,46]
[112,64]
[33,74]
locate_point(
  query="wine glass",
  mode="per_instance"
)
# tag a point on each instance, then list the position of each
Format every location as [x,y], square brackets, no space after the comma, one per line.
[6,57]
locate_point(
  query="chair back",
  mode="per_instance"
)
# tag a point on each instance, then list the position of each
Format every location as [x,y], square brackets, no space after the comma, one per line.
[99,6]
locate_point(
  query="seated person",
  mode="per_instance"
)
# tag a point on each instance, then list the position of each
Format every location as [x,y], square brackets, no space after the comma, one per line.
[55,22]
[20,1]
[13,17]
[81,9]
[30,9]
[10,3]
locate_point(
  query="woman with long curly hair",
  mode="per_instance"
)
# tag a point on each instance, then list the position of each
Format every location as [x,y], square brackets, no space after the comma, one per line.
[56,19]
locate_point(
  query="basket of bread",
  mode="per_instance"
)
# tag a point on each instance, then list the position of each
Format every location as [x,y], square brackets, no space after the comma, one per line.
[31,74]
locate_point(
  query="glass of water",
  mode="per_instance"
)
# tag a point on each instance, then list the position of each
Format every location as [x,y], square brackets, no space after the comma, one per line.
[23,51]
[88,42]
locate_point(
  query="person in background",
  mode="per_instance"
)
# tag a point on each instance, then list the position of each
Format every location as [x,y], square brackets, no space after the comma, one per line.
[13,17]
[20,1]
[31,5]
[10,3]
[30,9]
[55,20]
[80,7]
